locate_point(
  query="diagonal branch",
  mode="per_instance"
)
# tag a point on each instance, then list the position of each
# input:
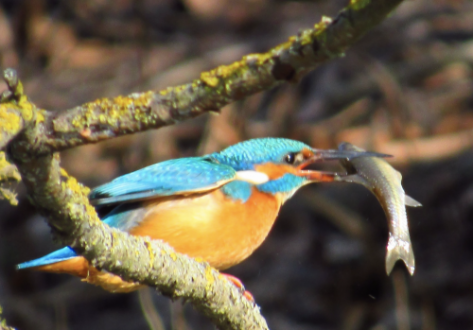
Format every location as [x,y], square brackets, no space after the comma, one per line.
[107,118]
[39,134]
[74,221]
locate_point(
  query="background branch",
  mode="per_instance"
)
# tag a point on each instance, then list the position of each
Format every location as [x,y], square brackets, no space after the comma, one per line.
[107,118]
[64,201]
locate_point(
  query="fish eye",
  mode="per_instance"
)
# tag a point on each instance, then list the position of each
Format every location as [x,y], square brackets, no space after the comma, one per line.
[290,158]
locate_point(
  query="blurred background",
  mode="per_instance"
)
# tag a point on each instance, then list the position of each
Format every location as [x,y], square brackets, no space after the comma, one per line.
[404,89]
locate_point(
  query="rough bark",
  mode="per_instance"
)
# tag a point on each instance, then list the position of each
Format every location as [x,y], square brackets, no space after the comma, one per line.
[34,136]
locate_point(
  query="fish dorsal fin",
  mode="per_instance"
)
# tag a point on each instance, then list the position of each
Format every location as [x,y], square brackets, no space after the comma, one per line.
[409,201]
[398,174]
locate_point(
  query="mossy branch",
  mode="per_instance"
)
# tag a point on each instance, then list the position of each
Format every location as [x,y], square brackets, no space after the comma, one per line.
[8,173]
[154,263]
[74,221]
[34,136]
[107,118]
[15,110]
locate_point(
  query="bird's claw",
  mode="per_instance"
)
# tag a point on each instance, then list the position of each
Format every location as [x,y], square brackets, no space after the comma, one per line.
[239,285]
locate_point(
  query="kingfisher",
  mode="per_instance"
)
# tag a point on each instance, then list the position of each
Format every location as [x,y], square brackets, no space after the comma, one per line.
[219,207]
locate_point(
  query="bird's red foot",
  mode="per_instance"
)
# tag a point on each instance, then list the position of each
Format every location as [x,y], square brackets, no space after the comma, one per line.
[239,285]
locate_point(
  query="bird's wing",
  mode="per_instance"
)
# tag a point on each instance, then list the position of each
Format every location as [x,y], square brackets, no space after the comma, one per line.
[173,177]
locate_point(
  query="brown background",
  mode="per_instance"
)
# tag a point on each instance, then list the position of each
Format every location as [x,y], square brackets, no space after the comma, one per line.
[405,89]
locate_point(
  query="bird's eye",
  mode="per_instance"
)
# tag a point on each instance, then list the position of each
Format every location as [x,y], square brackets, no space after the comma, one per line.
[290,158]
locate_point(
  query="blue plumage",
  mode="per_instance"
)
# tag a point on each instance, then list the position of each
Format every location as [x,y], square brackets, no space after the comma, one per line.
[176,176]
[187,175]
[237,190]
[244,155]
[195,174]
[56,256]
[285,184]
[125,216]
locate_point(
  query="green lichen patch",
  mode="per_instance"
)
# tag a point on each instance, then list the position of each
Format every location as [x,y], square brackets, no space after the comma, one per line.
[8,173]
[113,112]
[9,195]
[10,121]
[209,276]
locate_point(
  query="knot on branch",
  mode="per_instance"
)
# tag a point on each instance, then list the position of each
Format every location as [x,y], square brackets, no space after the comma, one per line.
[15,95]
[16,111]
[19,117]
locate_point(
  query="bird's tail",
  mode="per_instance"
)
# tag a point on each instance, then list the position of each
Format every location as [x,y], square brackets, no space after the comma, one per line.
[67,261]
[400,249]
[64,260]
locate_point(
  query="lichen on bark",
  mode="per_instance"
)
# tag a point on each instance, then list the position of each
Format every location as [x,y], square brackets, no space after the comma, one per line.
[34,136]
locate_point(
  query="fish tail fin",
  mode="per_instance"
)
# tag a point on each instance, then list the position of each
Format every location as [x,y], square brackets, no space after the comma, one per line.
[64,260]
[400,249]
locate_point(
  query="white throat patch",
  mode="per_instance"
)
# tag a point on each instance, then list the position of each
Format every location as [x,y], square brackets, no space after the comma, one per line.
[253,177]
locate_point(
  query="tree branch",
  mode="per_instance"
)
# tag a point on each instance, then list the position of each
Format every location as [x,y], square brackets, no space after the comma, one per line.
[74,221]
[107,118]
[34,135]
[8,173]
[15,110]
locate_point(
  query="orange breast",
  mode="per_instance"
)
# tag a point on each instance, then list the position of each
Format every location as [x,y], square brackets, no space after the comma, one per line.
[211,226]
[208,225]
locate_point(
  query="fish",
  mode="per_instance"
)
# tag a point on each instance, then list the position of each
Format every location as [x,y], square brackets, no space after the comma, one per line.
[384,182]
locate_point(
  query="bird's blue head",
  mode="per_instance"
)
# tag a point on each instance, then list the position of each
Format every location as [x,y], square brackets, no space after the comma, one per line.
[283,161]
[245,155]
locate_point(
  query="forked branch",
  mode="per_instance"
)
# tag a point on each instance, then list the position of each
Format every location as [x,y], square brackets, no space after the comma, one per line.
[34,136]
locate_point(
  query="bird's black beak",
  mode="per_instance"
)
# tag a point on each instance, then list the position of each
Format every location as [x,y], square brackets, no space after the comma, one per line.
[321,155]
[326,155]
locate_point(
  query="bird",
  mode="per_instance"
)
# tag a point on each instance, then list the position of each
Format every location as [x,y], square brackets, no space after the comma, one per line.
[219,207]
